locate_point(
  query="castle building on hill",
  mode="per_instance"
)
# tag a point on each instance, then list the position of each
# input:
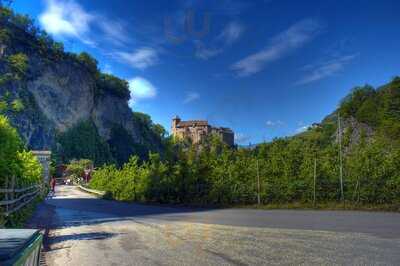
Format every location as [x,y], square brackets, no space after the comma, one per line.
[198,130]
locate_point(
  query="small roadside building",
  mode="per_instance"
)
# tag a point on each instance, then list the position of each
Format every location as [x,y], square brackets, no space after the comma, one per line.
[44,158]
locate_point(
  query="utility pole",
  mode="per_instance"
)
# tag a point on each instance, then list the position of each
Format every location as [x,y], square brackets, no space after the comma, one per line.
[341,161]
[315,179]
[258,184]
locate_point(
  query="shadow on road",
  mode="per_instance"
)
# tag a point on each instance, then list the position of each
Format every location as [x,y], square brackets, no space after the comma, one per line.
[72,208]
[82,236]
[90,211]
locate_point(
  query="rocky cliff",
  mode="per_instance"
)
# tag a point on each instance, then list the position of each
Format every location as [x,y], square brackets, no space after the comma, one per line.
[65,95]
[58,90]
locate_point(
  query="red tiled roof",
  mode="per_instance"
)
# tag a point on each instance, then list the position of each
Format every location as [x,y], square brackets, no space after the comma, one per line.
[192,123]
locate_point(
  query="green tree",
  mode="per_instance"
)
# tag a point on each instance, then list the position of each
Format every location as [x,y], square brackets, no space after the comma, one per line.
[10,144]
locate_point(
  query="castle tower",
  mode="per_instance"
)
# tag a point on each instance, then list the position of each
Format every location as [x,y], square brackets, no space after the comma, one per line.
[175,121]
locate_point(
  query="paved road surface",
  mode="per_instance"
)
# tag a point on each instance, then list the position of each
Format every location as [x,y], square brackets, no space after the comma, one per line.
[89,231]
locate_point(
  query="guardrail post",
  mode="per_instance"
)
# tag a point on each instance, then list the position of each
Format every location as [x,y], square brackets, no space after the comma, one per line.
[12,187]
[6,194]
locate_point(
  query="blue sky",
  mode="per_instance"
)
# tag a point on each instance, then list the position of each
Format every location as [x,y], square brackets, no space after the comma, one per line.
[264,68]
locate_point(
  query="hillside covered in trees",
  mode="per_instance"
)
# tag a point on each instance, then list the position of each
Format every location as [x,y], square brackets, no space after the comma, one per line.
[61,101]
[298,169]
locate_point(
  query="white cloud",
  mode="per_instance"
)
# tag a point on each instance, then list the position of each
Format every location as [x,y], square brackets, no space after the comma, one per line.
[277,123]
[191,96]
[232,32]
[302,129]
[114,31]
[282,44]
[325,69]
[140,89]
[205,53]
[142,58]
[66,19]
[227,37]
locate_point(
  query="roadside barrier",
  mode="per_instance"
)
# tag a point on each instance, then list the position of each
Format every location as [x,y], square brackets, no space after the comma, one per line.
[92,191]
[15,199]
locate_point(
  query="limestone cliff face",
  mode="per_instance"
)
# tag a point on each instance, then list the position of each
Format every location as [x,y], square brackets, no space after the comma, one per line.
[62,94]
[110,110]
[65,95]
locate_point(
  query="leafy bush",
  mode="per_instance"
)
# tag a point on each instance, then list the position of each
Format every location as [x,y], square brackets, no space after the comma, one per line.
[215,174]
[10,144]
[14,160]
[126,184]
[29,169]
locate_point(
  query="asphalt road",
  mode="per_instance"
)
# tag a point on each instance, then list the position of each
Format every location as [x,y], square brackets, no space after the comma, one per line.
[90,231]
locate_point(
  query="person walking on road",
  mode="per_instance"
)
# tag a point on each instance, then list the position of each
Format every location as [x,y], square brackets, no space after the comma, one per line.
[53,184]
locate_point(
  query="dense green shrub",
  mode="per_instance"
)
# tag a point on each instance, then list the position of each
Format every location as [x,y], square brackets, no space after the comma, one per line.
[10,144]
[14,160]
[126,184]
[219,175]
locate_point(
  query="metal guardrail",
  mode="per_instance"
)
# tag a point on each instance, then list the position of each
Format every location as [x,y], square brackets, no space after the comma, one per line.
[93,191]
[13,202]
